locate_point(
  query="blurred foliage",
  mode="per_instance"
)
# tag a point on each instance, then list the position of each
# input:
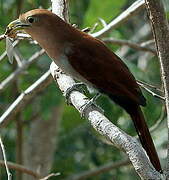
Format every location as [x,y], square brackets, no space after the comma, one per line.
[79,147]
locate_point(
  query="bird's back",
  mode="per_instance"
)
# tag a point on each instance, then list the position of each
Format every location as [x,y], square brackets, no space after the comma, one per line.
[104,69]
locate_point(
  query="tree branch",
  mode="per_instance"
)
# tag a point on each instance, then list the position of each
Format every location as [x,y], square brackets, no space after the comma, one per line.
[5,160]
[151,92]
[123,17]
[60,7]
[101,124]
[20,168]
[150,86]
[102,169]
[25,97]
[160,30]
[20,69]
[25,170]
[130,44]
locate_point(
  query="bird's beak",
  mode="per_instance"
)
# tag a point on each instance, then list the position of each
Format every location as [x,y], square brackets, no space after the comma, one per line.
[15,26]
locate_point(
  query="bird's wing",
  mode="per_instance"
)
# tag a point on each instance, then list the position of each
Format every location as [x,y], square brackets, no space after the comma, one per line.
[105,70]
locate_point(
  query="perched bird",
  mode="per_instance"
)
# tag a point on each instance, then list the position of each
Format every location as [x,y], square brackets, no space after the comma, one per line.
[88,59]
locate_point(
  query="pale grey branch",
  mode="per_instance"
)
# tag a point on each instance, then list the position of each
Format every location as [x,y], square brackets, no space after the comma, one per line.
[9,175]
[99,122]
[20,69]
[123,17]
[130,44]
[25,97]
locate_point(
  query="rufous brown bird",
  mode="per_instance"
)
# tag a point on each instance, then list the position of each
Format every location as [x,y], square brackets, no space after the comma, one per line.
[88,59]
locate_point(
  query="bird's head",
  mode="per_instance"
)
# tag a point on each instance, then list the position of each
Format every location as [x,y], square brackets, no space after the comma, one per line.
[49,30]
[32,22]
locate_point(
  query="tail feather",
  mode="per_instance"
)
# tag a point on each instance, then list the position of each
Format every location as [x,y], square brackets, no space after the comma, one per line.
[145,137]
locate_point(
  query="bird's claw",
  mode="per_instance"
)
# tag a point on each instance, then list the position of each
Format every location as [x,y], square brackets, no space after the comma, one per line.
[92,101]
[74,87]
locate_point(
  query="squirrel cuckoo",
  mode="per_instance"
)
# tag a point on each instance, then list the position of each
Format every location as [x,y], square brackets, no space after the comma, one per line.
[87,59]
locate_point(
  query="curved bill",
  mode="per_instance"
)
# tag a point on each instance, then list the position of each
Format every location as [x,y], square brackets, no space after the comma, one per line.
[15,26]
[10,32]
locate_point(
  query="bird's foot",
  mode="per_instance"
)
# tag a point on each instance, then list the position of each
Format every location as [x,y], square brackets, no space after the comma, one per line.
[75,87]
[92,101]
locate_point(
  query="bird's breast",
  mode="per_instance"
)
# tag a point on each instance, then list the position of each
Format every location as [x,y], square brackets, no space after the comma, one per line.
[63,63]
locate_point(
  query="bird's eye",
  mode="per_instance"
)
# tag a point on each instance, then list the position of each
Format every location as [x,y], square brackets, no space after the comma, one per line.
[31,19]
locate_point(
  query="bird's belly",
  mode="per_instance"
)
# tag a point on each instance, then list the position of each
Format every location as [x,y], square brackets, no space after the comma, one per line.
[64,64]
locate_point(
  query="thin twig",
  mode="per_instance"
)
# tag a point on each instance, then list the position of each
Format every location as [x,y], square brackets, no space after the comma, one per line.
[20,69]
[20,168]
[151,92]
[94,27]
[130,44]
[25,97]
[140,34]
[49,176]
[103,22]
[149,85]
[145,86]
[148,43]
[123,17]
[99,170]
[5,160]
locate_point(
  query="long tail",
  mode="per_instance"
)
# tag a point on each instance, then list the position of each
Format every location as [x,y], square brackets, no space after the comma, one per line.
[145,137]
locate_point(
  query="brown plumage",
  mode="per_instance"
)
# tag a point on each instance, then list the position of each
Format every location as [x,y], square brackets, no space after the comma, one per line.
[89,60]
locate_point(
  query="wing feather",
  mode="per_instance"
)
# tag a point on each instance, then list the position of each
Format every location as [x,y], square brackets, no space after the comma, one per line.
[104,70]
